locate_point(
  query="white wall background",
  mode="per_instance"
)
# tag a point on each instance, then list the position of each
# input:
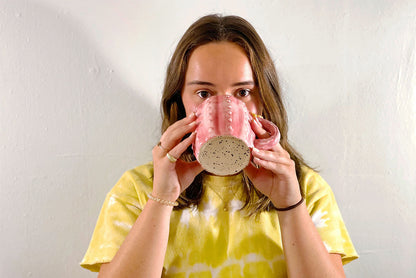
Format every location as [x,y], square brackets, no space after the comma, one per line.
[80,83]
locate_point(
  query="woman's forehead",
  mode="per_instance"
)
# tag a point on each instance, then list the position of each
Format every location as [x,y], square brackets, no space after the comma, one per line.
[219,61]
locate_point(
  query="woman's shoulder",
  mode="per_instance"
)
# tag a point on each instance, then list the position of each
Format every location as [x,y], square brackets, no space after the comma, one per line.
[143,172]
[316,190]
[312,182]
[135,183]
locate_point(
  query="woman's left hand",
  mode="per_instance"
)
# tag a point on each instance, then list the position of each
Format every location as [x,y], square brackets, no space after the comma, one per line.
[276,176]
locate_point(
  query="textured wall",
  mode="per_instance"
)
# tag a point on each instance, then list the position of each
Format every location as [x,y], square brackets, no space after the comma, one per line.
[80,83]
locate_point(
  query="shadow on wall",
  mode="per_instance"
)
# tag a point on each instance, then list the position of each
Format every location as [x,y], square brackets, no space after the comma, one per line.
[73,127]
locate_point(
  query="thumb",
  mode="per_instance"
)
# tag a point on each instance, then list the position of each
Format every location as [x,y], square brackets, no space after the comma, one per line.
[187,171]
[258,129]
[251,171]
[194,167]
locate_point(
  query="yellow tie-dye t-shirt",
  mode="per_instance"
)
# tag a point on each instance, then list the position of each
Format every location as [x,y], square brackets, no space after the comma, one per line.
[216,238]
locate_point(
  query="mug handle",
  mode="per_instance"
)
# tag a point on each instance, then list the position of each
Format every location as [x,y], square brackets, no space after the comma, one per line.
[268,143]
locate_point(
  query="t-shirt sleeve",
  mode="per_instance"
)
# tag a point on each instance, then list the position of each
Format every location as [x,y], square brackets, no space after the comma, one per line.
[327,218]
[119,212]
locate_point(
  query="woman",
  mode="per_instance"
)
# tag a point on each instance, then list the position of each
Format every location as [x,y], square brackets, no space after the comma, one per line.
[170,218]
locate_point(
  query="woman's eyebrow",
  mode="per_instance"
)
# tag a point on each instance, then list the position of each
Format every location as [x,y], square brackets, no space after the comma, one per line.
[205,83]
[198,82]
[244,83]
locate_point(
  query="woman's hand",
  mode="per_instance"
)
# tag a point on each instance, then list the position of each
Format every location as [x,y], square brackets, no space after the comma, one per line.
[276,175]
[171,178]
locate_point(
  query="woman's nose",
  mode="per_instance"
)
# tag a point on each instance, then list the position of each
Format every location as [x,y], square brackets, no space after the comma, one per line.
[224,93]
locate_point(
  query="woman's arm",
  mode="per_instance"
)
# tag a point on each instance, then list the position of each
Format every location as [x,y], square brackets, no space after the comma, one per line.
[143,251]
[306,255]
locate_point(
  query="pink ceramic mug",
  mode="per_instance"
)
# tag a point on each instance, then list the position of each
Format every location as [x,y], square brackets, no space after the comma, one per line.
[224,136]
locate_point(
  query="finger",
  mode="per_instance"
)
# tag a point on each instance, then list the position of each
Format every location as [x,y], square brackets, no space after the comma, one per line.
[283,161]
[281,151]
[272,155]
[193,168]
[251,171]
[258,129]
[182,146]
[187,171]
[174,134]
[264,155]
[278,148]
[281,166]
[177,130]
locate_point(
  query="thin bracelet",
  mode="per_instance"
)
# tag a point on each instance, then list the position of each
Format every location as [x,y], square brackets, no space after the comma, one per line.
[163,202]
[292,206]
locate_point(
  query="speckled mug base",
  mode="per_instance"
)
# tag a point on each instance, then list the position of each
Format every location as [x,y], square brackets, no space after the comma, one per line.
[224,155]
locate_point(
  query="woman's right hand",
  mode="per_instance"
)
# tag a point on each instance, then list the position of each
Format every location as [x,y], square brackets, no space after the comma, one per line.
[172,178]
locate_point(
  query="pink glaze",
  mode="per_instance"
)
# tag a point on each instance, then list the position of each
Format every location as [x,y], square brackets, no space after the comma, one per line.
[227,116]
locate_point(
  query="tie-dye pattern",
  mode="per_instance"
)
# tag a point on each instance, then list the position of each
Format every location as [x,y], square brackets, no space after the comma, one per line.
[216,238]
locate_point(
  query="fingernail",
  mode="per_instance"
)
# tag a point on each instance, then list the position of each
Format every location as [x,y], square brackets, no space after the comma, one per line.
[255,149]
[254,164]
[255,116]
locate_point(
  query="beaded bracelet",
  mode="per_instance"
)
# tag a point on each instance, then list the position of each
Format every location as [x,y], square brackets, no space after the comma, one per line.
[292,206]
[163,202]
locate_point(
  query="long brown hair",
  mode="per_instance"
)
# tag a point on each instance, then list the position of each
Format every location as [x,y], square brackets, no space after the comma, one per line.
[217,28]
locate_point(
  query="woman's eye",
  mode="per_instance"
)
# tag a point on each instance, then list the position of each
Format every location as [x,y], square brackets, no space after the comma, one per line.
[243,93]
[203,94]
